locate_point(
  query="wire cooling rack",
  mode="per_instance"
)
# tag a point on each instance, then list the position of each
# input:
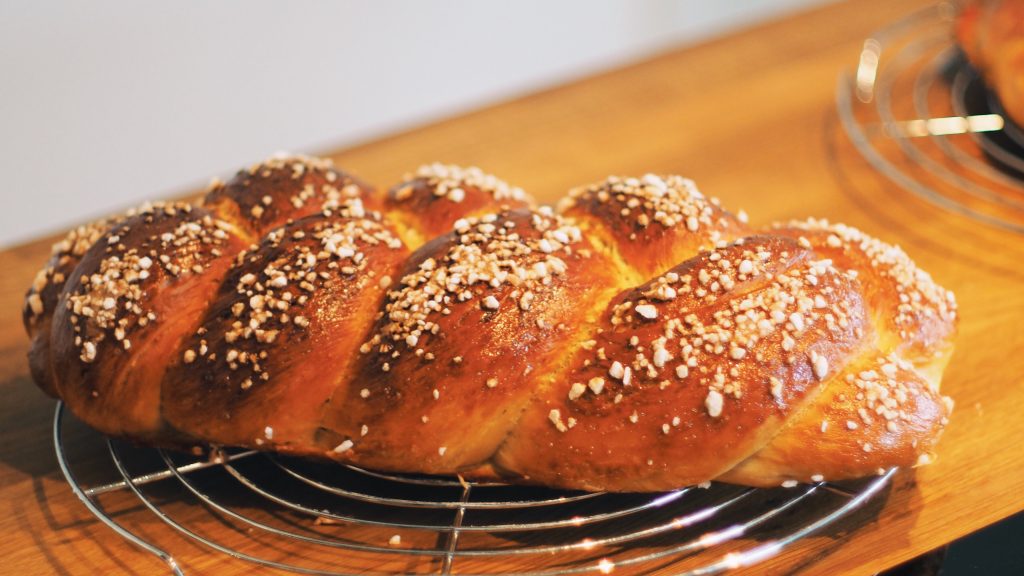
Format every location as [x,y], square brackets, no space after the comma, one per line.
[921,115]
[324,518]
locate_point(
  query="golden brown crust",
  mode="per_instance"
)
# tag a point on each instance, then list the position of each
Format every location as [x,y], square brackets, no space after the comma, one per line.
[643,339]
[700,366]
[135,294]
[41,298]
[913,316]
[429,201]
[278,339]
[653,222]
[878,409]
[468,337]
[286,187]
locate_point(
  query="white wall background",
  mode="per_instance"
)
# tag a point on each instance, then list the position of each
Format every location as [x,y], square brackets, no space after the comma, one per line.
[106,103]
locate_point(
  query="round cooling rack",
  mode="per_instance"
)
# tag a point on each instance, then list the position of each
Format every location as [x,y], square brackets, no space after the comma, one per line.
[921,115]
[325,518]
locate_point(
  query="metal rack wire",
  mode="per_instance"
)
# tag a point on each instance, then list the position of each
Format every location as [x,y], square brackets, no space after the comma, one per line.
[317,518]
[921,115]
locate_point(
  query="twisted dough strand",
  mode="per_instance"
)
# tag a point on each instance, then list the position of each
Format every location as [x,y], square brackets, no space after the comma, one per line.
[641,338]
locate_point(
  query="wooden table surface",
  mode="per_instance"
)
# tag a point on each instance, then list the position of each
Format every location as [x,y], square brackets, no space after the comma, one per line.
[751,118]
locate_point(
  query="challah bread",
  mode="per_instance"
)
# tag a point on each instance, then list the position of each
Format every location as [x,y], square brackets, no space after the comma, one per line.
[640,338]
[991,34]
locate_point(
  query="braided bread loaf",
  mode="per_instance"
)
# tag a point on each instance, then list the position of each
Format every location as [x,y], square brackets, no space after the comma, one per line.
[639,338]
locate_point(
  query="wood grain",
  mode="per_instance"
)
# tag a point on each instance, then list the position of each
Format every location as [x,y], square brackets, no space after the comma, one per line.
[751,118]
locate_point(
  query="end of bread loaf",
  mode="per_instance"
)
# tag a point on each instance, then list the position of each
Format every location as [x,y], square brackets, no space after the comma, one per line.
[136,292]
[41,298]
[706,361]
[878,412]
[913,315]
